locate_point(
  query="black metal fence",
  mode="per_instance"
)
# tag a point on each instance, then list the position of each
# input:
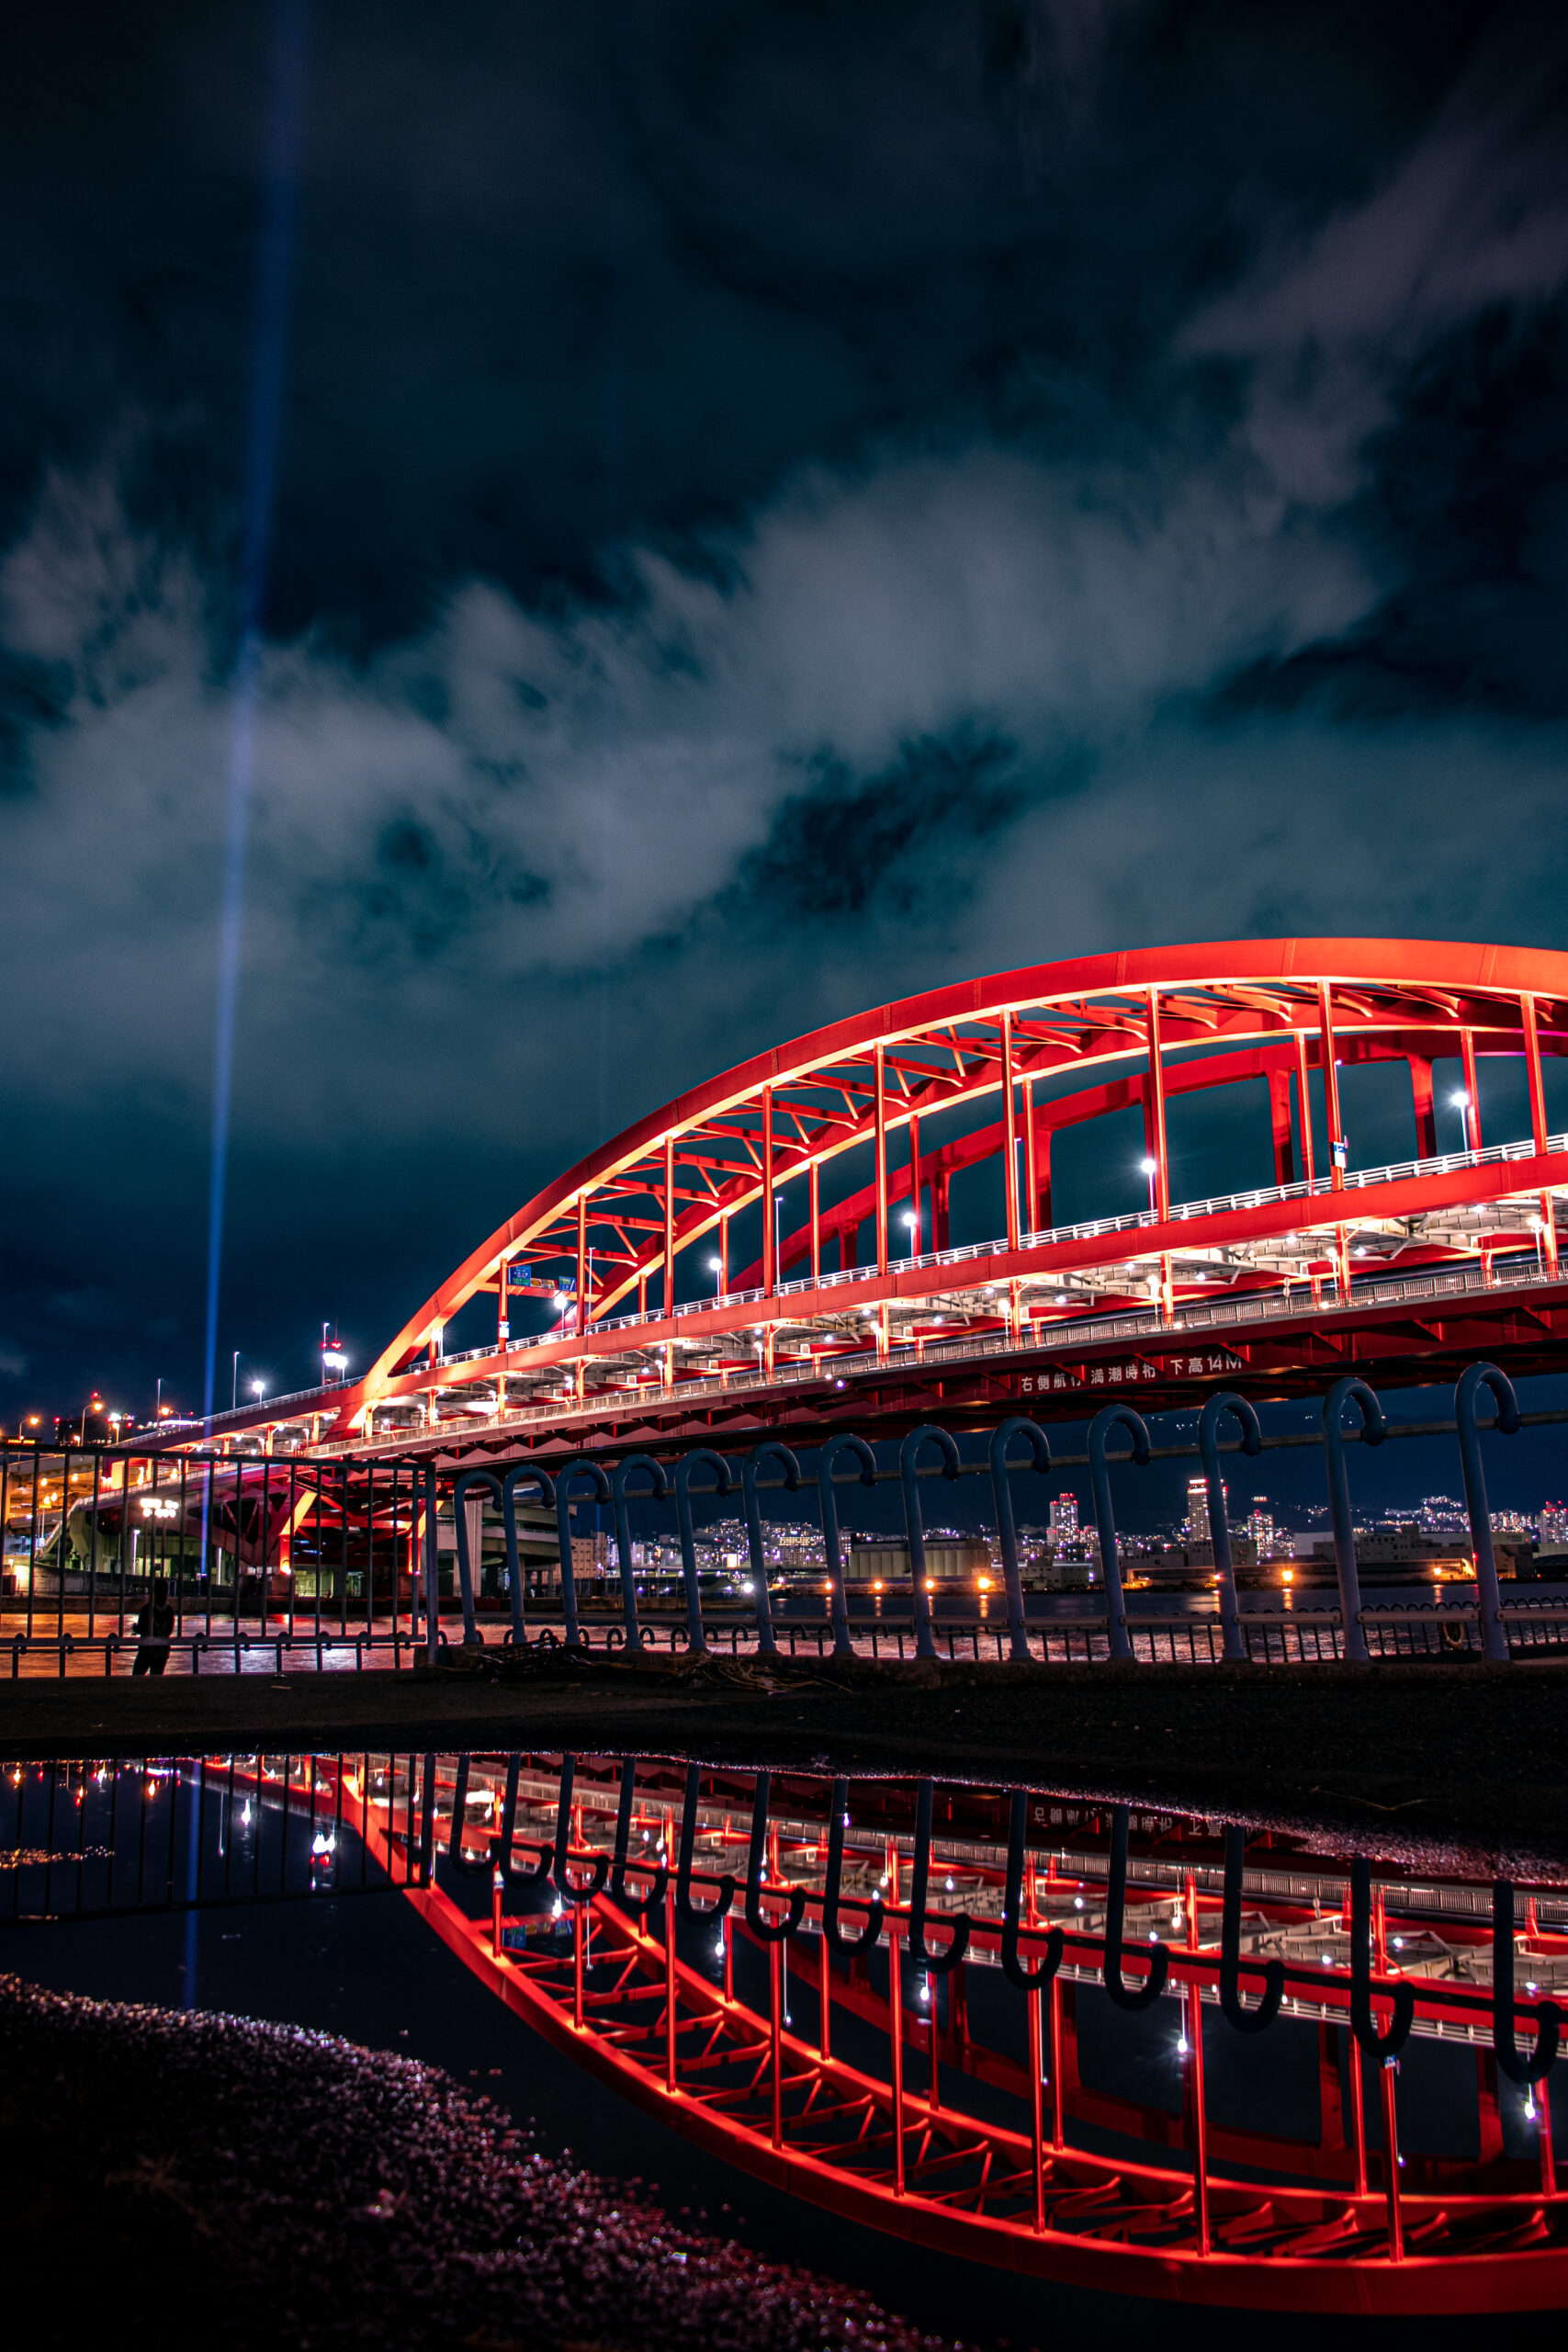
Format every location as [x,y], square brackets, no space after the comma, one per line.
[99,1840]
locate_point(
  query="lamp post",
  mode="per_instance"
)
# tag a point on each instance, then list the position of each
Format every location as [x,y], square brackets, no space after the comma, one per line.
[715,1266]
[1462,1104]
[912,1219]
[1151,1169]
[235,1384]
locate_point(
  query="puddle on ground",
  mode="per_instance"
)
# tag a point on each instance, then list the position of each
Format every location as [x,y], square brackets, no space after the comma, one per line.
[966,2048]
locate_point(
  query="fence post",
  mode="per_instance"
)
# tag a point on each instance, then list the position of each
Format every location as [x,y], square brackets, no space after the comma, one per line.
[1346,1391]
[1113,1416]
[1476,1376]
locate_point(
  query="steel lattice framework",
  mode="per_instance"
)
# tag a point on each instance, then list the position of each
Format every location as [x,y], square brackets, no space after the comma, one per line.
[1187,2221]
[838,1140]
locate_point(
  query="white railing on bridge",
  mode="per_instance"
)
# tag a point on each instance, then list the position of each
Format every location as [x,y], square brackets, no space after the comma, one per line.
[967,1254]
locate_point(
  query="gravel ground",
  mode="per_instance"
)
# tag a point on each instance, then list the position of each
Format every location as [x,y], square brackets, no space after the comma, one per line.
[1462,1759]
[204,2178]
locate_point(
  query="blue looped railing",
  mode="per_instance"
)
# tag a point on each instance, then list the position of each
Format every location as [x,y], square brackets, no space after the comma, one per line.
[935,1963]
[766,1644]
[723,1894]
[1018,1424]
[1549,2016]
[1148,1993]
[772,1931]
[1362,2023]
[1114,1417]
[637,1905]
[831,1549]
[1028,1980]
[461,1486]
[581,1466]
[703,1457]
[623,1536]
[1208,1420]
[1349,1391]
[523,1476]
[1272,1971]
[597,1871]
[928,1434]
[455,1859]
[833,1934]
[540,1875]
[1467,1389]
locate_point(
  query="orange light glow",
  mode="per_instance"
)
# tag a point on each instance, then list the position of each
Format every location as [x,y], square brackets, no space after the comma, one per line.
[985,1583]
[1290,1576]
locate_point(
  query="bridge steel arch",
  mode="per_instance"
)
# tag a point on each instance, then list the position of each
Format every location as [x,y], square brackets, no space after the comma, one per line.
[1024,1056]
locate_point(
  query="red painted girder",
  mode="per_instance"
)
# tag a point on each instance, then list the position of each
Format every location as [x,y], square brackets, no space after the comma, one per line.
[1411,1197]
[1108,2196]
[1252,965]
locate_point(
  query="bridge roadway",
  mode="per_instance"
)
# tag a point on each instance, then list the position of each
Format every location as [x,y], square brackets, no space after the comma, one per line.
[1398,1330]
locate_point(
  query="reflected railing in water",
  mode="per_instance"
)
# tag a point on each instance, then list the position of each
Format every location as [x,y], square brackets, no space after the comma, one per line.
[1125,2048]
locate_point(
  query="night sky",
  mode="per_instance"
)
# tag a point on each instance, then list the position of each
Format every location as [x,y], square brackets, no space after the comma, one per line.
[723,514]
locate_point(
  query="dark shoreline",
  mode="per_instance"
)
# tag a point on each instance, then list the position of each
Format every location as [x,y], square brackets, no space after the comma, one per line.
[271,2185]
[1421,1758]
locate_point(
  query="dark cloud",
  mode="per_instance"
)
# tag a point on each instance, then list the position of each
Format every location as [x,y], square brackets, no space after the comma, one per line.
[895,840]
[776,507]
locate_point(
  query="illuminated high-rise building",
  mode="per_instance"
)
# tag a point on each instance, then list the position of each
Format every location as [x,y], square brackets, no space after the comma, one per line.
[1198,1527]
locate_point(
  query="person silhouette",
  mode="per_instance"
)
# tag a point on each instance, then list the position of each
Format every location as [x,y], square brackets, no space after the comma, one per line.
[154,1625]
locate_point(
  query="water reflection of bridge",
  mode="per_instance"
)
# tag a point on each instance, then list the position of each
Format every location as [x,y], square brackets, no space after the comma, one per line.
[1028,2030]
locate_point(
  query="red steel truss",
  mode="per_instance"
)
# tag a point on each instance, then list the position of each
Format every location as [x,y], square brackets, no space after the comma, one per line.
[637,1237]
[893,2152]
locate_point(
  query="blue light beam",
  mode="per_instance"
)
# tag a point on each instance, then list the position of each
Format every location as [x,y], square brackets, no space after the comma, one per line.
[274,260]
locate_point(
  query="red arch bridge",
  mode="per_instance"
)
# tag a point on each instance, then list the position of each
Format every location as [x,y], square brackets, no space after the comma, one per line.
[1030,2028]
[769,1260]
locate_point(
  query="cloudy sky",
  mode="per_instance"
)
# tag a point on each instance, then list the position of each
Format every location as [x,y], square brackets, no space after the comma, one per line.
[774,506]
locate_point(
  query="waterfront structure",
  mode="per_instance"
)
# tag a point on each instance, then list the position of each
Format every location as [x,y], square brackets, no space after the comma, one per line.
[883,1560]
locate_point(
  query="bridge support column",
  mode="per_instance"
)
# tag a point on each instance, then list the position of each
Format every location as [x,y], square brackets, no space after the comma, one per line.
[1537,1125]
[1040,1194]
[1194,2004]
[881,1159]
[917,1243]
[940,1224]
[1472,1091]
[770,1268]
[1010,1136]
[1279,1124]
[1422,1104]
[1304,1108]
[1337,1150]
[1154,1113]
